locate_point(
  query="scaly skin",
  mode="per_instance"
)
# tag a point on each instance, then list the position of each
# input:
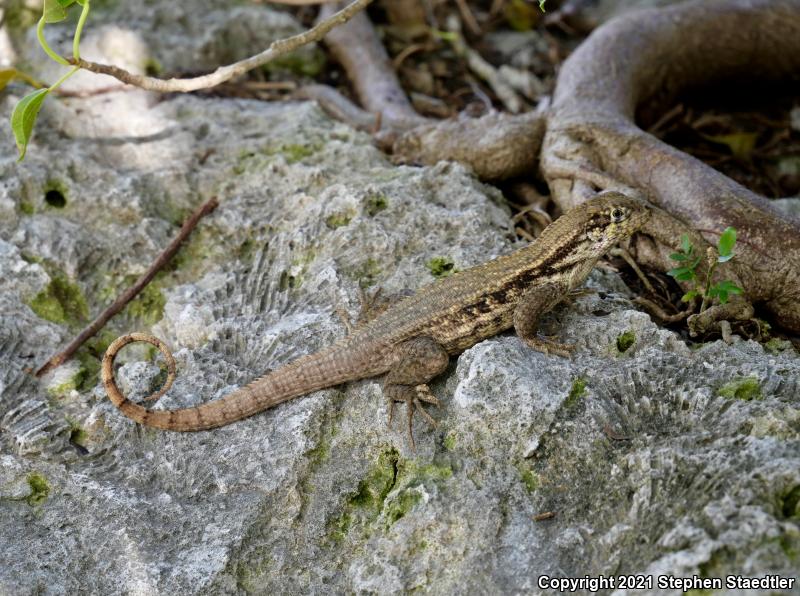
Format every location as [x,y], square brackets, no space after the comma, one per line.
[411,341]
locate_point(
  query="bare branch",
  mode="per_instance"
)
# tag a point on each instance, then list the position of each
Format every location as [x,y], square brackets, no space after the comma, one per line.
[129,294]
[225,73]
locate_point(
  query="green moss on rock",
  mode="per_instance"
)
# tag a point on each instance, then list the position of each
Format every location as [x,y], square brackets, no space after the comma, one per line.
[410,472]
[338,220]
[60,302]
[365,504]
[789,503]
[148,306]
[26,207]
[374,204]
[529,478]
[576,392]
[368,273]
[777,345]
[744,388]
[450,441]
[72,383]
[370,500]
[441,267]
[40,489]
[292,152]
[625,341]
[90,356]
[398,507]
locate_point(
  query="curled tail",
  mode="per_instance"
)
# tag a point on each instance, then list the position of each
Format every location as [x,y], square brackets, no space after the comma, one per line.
[304,375]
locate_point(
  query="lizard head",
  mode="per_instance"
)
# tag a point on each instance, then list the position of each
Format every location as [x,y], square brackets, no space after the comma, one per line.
[612,216]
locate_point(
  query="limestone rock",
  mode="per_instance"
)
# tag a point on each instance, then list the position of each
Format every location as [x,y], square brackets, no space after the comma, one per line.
[651,456]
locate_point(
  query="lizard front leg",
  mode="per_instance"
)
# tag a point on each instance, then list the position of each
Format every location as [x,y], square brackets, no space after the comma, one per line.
[418,361]
[536,301]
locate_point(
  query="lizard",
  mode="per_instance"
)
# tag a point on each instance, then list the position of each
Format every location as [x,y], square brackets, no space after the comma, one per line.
[411,341]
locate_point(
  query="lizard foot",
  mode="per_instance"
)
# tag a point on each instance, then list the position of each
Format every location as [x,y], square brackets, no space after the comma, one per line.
[413,396]
[548,346]
[579,293]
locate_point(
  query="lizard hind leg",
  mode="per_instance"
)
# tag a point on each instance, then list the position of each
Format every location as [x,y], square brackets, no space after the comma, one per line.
[418,361]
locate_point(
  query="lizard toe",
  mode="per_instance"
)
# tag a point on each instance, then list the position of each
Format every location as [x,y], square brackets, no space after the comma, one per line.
[548,346]
[424,394]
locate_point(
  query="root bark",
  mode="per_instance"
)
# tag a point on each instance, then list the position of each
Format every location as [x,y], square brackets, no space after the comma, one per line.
[592,141]
[652,56]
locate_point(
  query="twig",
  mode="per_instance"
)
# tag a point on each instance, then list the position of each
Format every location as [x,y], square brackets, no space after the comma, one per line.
[543,516]
[628,258]
[225,73]
[83,93]
[484,70]
[656,310]
[129,294]
[468,17]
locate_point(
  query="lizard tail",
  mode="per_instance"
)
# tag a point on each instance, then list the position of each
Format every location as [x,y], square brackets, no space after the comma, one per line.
[304,375]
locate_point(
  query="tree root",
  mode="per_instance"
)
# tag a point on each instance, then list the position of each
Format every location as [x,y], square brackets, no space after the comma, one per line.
[357,47]
[592,142]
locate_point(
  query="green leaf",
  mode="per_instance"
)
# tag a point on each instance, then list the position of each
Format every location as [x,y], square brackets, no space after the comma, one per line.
[724,259]
[445,35]
[55,11]
[723,289]
[682,274]
[541,5]
[729,287]
[678,256]
[24,117]
[726,242]
[690,295]
[686,246]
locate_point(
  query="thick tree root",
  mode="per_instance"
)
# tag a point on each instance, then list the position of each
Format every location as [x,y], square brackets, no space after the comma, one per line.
[592,142]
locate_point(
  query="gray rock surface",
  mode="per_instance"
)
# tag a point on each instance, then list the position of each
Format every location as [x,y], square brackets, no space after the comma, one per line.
[654,457]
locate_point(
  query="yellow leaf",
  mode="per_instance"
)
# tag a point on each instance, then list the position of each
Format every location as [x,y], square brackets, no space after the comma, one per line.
[741,144]
[6,75]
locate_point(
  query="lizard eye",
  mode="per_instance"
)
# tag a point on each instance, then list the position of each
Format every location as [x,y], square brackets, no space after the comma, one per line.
[617,214]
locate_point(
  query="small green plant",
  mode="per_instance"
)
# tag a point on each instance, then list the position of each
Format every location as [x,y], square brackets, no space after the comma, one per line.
[687,272]
[25,112]
[441,267]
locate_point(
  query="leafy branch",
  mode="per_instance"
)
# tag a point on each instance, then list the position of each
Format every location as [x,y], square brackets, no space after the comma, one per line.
[687,272]
[25,112]
[24,116]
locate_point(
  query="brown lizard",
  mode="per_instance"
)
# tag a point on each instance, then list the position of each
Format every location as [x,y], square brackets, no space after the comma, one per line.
[411,341]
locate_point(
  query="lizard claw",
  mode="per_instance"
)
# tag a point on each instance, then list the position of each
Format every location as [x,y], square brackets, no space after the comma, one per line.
[413,398]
